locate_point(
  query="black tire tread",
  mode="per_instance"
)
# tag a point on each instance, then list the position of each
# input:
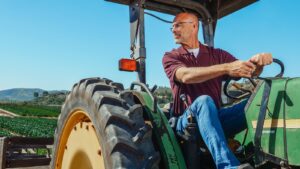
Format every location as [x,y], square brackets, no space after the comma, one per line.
[118,122]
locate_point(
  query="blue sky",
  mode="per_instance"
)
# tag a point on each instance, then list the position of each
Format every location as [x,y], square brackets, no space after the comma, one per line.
[51,44]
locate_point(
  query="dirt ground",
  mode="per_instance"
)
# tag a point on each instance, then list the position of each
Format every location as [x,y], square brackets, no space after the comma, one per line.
[7,113]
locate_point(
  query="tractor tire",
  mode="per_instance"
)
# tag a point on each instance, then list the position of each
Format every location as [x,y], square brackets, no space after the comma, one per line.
[100,127]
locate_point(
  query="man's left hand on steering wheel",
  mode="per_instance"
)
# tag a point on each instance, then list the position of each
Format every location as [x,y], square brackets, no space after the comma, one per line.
[260,60]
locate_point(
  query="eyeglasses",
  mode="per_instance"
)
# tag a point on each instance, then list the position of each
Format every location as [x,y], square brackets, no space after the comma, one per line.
[178,25]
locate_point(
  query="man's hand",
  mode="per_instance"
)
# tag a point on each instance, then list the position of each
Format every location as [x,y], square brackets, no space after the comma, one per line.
[261,60]
[240,69]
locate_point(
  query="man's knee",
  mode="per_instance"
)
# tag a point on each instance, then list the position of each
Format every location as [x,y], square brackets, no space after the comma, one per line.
[204,99]
[204,104]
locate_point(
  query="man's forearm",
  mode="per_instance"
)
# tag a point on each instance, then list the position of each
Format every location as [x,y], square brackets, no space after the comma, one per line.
[190,75]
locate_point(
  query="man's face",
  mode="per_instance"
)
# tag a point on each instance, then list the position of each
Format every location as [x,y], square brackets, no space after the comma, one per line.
[182,30]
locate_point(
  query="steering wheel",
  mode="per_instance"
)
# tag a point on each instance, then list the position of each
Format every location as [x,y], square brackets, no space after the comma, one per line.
[247,92]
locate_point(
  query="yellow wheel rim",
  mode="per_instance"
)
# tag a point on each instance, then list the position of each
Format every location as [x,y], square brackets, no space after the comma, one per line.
[79,146]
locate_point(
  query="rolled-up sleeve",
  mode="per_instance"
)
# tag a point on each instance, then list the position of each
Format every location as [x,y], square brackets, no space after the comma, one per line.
[171,63]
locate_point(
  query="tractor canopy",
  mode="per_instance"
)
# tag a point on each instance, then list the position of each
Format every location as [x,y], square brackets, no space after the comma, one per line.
[206,9]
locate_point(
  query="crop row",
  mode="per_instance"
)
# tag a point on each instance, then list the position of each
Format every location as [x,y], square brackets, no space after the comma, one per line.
[4,133]
[29,127]
[31,110]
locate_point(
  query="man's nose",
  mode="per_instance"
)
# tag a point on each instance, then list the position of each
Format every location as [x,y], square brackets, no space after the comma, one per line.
[174,30]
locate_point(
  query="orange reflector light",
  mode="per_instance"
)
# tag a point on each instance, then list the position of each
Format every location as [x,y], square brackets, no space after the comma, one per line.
[129,65]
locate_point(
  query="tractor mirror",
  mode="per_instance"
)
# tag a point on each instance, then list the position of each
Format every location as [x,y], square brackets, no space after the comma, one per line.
[129,65]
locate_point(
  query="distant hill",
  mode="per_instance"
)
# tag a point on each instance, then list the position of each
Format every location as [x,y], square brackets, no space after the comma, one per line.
[19,94]
[26,94]
[53,98]
[57,97]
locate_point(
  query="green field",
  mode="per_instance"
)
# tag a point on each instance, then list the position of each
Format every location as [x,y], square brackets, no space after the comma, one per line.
[27,127]
[31,110]
[5,133]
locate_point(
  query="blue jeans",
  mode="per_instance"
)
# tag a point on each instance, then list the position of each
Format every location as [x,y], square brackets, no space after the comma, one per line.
[213,125]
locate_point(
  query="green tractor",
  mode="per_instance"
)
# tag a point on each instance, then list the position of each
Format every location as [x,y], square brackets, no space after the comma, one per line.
[102,125]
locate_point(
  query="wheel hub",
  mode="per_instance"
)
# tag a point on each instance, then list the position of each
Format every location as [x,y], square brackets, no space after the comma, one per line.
[79,146]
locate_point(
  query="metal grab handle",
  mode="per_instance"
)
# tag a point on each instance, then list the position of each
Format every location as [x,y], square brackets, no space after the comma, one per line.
[279,62]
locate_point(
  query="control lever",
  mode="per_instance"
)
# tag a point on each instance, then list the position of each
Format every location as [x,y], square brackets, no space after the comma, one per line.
[190,116]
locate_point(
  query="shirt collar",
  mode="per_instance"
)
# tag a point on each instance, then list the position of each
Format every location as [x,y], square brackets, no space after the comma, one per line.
[203,49]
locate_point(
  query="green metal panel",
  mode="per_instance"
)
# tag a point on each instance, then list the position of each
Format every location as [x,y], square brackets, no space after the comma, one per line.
[272,138]
[293,113]
[168,146]
[280,100]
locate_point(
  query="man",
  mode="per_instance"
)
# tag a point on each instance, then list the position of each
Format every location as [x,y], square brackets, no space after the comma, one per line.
[197,71]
